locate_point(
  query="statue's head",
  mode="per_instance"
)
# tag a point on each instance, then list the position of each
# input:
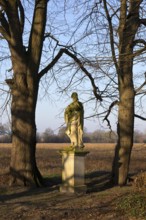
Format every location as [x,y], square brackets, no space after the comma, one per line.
[74,96]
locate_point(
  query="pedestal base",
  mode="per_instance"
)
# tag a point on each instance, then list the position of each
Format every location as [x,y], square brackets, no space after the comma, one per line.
[73,171]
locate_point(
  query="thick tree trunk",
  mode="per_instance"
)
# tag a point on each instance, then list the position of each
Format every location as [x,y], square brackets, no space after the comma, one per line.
[125,128]
[24,86]
[23,166]
[24,90]
[128,26]
[125,135]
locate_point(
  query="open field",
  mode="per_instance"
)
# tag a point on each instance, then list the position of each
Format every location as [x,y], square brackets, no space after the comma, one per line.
[100,202]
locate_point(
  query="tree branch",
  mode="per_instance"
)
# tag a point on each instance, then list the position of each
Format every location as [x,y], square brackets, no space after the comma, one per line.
[22,16]
[37,34]
[138,116]
[79,63]
[11,22]
[136,42]
[138,52]
[4,26]
[143,84]
[4,33]
[142,21]
[109,111]
[122,20]
[139,41]
[111,34]
[50,65]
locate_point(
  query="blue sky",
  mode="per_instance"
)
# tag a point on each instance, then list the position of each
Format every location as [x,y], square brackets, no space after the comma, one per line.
[51,115]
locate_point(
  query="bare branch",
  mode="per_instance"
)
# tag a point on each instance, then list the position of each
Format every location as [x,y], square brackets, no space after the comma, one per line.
[135,43]
[95,115]
[4,27]
[139,41]
[3,107]
[54,61]
[138,116]
[123,12]
[111,34]
[49,35]
[71,80]
[142,21]
[37,34]
[143,84]
[22,17]
[139,52]
[3,21]
[79,63]
[109,111]
[11,21]
[4,33]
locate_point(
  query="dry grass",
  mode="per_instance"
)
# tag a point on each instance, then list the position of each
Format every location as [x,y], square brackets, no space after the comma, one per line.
[99,159]
[99,203]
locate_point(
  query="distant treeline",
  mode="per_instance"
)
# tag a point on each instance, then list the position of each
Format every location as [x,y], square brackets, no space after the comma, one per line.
[48,136]
[95,137]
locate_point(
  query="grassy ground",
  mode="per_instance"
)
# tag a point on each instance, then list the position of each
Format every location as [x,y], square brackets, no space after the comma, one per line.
[102,200]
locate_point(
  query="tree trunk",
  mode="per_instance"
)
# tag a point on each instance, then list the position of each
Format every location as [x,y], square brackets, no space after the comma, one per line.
[23,166]
[24,86]
[24,91]
[129,23]
[125,132]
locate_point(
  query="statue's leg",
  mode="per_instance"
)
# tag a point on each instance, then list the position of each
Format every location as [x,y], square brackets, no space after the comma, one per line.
[80,137]
[73,135]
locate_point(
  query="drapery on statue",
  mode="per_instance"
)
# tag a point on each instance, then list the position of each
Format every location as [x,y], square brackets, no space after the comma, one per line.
[74,118]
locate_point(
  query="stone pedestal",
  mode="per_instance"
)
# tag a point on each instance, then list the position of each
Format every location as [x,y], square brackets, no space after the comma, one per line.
[73,171]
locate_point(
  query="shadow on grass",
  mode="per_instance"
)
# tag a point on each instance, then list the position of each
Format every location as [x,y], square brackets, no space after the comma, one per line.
[101,180]
[53,181]
[9,193]
[95,181]
[98,181]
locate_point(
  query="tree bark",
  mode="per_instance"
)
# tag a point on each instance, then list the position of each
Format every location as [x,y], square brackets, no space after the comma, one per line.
[24,88]
[23,166]
[129,23]
[125,130]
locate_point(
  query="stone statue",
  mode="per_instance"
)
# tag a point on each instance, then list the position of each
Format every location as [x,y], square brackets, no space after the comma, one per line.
[74,118]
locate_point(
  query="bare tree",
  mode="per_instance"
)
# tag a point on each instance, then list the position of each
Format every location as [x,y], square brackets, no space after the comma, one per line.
[128,29]
[23,85]
[113,29]
[27,72]
[113,35]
